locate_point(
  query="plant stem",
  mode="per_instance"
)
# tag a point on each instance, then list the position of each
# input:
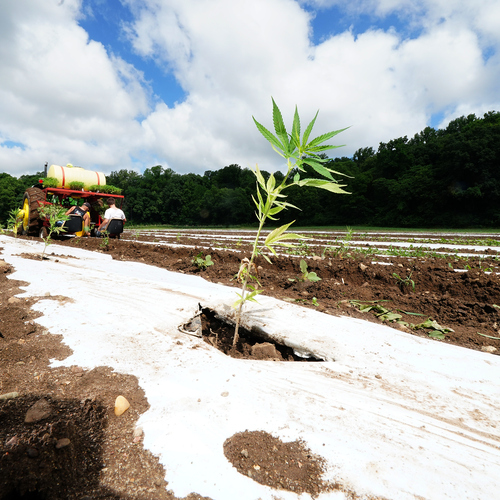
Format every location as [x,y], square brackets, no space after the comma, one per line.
[245,281]
[271,200]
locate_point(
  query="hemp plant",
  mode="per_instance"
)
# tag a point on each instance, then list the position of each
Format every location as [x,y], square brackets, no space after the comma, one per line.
[298,152]
[14,221]
[105,240]
[53,214]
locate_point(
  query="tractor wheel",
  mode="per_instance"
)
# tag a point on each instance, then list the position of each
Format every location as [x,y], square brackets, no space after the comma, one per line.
[31,216]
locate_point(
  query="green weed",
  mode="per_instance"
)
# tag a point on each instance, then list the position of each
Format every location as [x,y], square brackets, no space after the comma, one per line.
[202,262]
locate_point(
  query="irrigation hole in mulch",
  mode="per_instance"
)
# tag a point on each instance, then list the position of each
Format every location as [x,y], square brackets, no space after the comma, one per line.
[218,332]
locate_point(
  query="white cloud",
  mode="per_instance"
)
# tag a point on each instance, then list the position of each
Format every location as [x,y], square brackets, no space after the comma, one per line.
[68,99]
[62,96]
[380,84]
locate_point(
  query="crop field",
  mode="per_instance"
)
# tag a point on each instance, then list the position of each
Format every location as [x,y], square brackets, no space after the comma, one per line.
[395,336]
[333,243]
[440,284]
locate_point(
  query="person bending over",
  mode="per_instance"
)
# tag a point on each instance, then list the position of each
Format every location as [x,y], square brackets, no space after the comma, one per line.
[83,212]
[111,213]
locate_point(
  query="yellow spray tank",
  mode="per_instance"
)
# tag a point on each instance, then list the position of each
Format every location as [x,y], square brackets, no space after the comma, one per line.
[69,173]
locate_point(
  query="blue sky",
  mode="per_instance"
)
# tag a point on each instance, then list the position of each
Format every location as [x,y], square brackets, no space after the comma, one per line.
[112,84]
[104,24]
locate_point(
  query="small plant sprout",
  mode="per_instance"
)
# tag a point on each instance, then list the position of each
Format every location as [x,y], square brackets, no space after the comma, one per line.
[202,262]
[298,153]
[306,276]
[404,282]
[14,221]
[344,246]
[105,239]
[315,302]
[54,214]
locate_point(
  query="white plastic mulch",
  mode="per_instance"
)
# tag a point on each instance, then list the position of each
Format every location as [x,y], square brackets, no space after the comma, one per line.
[394,415]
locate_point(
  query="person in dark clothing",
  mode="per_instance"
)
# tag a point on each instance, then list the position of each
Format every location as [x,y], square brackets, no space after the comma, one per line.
[83,212]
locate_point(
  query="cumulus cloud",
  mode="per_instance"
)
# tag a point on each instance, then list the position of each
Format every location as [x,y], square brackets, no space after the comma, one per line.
[379,82]
[65,96]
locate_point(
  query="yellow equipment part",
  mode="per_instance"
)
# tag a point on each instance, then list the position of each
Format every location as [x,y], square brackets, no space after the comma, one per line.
[80,233]
[25,214]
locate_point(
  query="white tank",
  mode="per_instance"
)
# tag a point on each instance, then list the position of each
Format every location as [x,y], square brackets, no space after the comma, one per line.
[66,175]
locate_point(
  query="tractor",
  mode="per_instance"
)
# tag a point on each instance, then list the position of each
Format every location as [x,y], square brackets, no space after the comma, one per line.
[33,224]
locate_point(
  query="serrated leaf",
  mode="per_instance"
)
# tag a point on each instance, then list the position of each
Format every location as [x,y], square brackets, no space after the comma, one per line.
[269,136]
[259,252]
[340,173]
[326,147]
[321,184]
[271,183]
[278,240]
[261,200]
[279,126]
[296,128]
[276,233]
[276,210]
[320,169]
[259,176]
[308,131]
[324,137]
[250,297]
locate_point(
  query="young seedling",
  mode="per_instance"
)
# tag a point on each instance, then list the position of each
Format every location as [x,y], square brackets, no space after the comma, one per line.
[404,282]
[307,276]
[202,262]
[14,221]
[298,152]
[105,239]
[53,214]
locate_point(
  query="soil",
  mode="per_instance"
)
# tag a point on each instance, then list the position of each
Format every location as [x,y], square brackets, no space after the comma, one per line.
[75,447]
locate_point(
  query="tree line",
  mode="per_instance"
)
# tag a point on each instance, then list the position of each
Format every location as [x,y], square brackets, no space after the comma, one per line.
[439,178]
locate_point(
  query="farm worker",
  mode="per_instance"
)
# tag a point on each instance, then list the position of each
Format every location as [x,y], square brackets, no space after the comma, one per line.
[82,211]
[111,213]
